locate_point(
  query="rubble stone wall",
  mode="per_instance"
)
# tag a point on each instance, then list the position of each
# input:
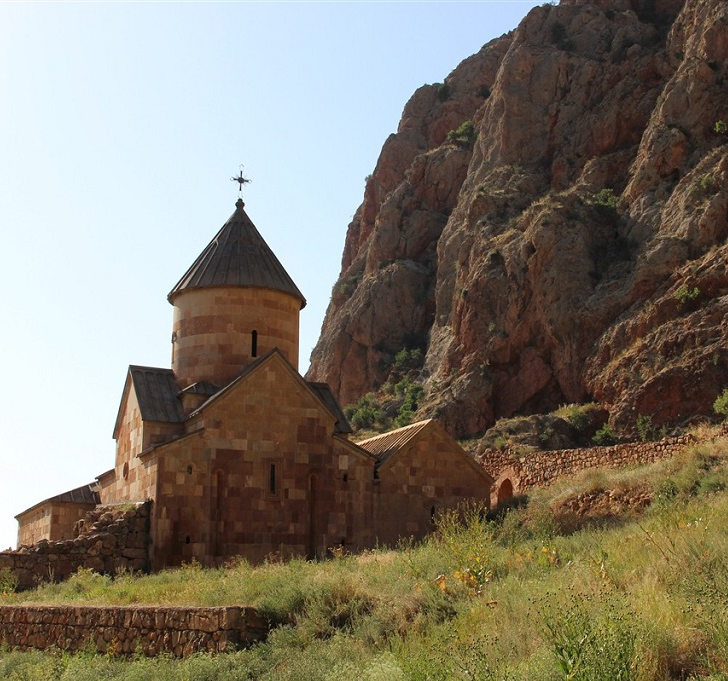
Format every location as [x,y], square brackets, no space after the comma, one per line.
[537,469]
[126,630]
[109,538]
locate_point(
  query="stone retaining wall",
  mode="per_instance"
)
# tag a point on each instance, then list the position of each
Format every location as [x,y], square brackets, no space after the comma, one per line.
[110,538]
[539,468]
[127,630]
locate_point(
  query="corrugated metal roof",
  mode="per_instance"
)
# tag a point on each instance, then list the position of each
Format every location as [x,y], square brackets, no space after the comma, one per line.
[237,256]
[383,446]
[327,397]
[157,392]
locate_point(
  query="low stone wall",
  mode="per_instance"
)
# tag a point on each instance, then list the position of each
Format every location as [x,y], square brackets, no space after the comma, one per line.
[110,538]
[539,468]
[127,630]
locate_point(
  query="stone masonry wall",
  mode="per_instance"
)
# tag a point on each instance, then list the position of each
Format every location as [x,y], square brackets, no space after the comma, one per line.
[126,630]
[110,538]
[212,331]
[51,520]
[426,477]
[537,469]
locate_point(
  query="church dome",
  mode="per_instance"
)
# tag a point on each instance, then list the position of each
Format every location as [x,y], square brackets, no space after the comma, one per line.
[234,304]
[237,256]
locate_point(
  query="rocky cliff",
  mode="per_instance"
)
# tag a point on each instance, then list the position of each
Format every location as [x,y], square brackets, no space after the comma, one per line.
[567,245]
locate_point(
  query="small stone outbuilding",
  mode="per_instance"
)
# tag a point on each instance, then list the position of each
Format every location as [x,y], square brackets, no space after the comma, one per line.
[54,519]
[242,456]
[421,470]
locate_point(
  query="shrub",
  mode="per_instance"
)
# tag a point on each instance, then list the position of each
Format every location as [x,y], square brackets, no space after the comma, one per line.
[645,429]
[686,295]
[484,91]
[720,127]
[8,581]
[407,360]
[605,436]
[412,394]
[365,413]
[579,421]
[344,289]
[581,417]
[443,92]
[720,406]
[706,182]
[590,648]
[466,537]
[606,198]
[464,135]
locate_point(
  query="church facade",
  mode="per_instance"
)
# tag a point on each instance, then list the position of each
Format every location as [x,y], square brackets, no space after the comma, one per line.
[242,456]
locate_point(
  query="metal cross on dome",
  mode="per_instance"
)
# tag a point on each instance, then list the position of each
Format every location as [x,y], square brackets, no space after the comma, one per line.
[241,181]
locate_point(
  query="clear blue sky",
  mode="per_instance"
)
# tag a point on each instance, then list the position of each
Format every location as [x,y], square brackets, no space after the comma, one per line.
[120,126]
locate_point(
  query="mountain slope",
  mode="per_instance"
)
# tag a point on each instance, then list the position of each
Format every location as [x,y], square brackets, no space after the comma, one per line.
[575,248]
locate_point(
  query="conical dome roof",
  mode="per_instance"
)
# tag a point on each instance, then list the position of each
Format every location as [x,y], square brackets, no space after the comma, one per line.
[237,256]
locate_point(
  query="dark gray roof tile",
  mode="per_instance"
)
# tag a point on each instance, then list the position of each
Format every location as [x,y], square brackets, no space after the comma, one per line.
[327,397]
[157,393]
[237,256]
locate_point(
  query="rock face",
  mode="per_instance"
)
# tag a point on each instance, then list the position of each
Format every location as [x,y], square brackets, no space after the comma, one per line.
[575,249]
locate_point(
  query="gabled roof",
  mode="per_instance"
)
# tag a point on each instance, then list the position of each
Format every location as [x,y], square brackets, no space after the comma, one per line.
[385,445]
[327,397]
[320,391]
[86,494]
[156,392]
[237,256]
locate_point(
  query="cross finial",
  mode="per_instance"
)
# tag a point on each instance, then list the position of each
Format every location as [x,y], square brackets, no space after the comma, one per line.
[241,181]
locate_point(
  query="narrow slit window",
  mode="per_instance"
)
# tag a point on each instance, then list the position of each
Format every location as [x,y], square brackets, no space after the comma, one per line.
[254,344]
[272,479]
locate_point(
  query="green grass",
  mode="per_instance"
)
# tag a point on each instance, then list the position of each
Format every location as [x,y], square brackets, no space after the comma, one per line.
[638,597]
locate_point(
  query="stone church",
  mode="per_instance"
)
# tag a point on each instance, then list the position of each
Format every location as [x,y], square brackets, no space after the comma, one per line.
[242,456]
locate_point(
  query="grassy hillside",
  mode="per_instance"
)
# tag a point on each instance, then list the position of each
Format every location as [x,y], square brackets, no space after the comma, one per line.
[543,592]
